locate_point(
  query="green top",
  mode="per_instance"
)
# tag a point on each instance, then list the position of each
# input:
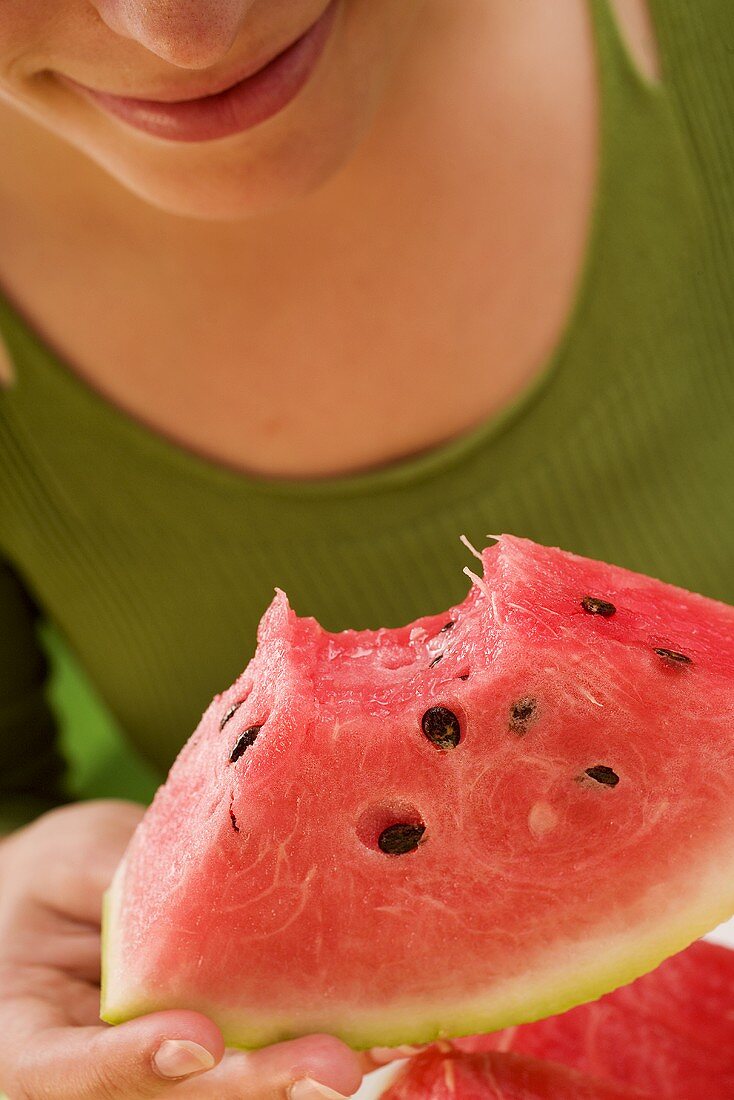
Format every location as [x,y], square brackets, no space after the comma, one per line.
[154,565]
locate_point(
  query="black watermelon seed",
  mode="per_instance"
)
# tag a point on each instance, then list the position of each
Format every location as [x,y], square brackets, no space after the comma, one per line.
[522,713]
[447,626]
[602,774]
[435,660]
[595,606]
[464,676]
[233,819]
[441,727]
[229,714]
[398,840]
[673,657]
[249,737]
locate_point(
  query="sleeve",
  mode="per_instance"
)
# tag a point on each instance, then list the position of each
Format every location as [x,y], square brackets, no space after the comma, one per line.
[31,765]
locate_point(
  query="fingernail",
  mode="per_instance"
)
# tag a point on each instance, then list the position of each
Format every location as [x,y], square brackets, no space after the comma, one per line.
[181,1058]
[308,1089]
[391,1054]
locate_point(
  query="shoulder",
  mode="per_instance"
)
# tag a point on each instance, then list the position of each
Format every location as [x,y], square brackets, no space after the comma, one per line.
[6,366]
[637,28]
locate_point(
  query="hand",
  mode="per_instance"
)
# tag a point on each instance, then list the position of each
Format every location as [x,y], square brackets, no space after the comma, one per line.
[53,874]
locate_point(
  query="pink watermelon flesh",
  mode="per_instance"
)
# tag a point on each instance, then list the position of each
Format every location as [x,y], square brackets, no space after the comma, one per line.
[478,819]
[452,1075]
[669,1034]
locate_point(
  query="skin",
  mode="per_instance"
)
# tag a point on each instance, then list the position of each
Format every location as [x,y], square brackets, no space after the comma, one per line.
[424,201]
[132,48]
[502,147]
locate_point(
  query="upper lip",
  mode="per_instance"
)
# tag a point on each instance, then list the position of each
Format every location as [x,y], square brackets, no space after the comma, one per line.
[245,71]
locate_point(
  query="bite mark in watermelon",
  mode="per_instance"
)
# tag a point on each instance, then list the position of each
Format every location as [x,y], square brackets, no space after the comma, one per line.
[363,840]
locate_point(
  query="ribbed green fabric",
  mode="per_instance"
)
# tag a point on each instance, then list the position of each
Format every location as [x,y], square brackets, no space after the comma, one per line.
[154,565]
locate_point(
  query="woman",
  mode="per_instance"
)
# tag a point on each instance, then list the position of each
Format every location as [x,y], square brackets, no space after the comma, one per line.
[294,292]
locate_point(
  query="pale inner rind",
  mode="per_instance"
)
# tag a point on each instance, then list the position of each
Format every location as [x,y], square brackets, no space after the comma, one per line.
[573,974]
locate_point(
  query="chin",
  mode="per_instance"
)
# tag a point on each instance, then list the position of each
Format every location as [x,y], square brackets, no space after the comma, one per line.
[234,178]
[262,169]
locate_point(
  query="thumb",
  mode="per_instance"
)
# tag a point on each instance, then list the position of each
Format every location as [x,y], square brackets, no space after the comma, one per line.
[133,1061]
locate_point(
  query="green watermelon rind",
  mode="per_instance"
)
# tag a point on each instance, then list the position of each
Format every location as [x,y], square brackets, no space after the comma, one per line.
[106,938]
[611,962]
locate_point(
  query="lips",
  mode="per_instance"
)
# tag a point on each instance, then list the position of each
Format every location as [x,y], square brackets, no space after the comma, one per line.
[237,108]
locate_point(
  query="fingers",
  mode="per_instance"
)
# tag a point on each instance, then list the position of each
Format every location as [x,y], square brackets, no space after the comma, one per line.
[296,1070]
[35,935]
[138,1060]
[143,1059]
[78,847]
[100,832]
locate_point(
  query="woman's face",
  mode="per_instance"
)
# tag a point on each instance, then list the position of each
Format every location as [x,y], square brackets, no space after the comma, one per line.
[279,91]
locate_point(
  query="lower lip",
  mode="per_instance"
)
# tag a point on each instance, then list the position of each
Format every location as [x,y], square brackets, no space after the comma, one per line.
[239,108]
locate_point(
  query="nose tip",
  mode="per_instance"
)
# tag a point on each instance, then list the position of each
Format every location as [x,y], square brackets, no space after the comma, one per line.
[191,34]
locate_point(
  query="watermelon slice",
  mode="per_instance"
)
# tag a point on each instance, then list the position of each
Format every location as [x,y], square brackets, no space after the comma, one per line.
[669,1034]
[475,820]
[452,1075]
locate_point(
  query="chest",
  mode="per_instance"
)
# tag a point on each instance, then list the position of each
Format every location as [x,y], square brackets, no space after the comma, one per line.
[341,365]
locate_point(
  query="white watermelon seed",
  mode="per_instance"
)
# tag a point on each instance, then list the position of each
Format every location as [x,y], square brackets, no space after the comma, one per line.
[542,818]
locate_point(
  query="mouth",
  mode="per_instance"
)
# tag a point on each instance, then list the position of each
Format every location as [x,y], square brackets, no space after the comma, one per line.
[233,109]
